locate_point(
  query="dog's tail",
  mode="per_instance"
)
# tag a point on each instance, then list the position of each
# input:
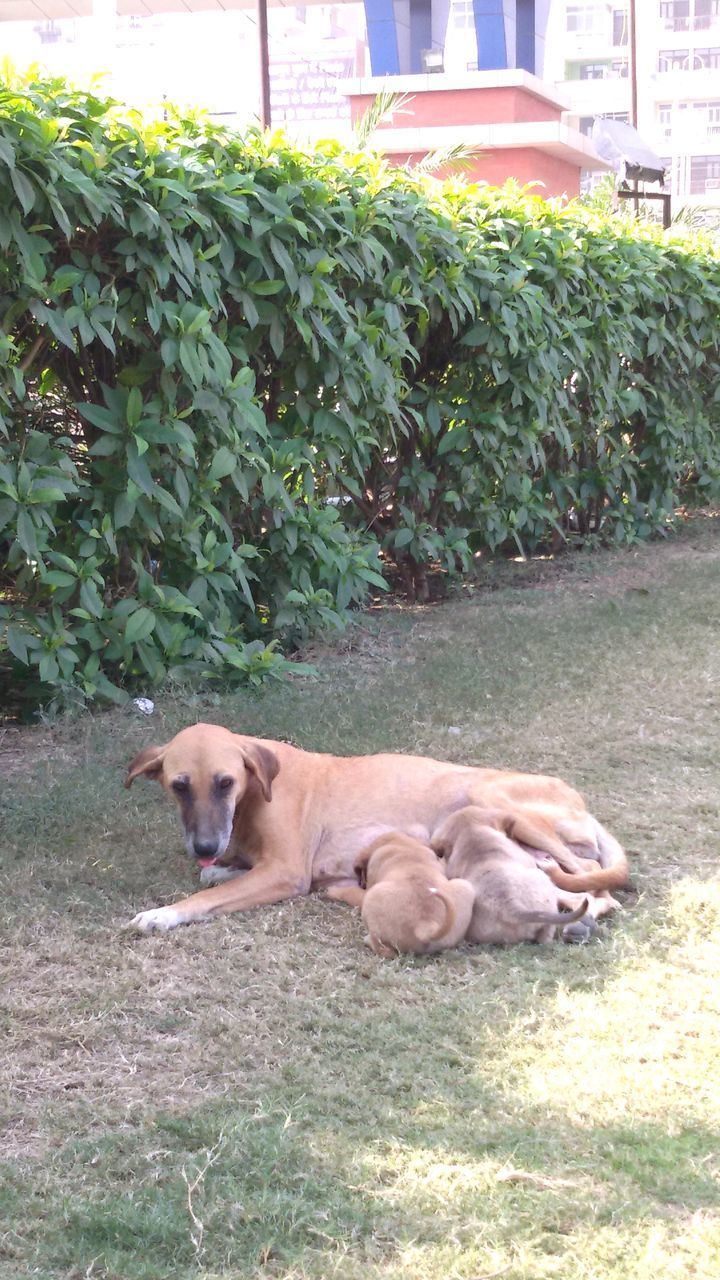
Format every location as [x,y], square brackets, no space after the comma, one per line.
[554,917]
[612,873]
[430,930]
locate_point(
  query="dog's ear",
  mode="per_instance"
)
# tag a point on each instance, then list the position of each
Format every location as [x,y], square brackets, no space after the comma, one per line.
[360,870]
[264,764]
[439,841]
[149,763]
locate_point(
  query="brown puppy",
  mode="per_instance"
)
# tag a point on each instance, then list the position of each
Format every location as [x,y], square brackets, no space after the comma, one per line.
[408,905]
[296,820]
[514,900]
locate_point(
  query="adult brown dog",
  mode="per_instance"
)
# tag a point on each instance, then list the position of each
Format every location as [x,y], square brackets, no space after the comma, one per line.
[408,905]
[298,819]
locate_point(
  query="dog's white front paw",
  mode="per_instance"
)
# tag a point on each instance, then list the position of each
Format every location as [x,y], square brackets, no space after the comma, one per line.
[210,876]
[162,918]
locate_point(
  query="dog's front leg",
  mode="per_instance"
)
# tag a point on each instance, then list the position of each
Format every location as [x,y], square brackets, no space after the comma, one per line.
[214,875]
[270,881]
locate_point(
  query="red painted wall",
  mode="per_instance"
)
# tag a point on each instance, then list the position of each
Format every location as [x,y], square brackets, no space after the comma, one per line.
[501,105]
[464,106]
[525,164]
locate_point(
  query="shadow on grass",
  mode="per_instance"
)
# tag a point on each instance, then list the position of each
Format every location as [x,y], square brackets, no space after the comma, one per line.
[277,1196]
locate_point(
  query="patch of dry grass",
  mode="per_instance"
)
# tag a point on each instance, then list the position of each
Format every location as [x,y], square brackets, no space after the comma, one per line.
[263,1096]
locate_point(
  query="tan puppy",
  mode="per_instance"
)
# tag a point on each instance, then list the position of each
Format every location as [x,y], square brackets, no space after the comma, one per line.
[296,820]
[514,900]
[408,905]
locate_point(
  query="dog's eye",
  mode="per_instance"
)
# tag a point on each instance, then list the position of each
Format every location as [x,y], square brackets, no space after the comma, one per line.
[181,785]
[224,784]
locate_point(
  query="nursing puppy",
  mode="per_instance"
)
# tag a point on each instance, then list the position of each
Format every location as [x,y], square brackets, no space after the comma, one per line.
[515,901]
[408,904]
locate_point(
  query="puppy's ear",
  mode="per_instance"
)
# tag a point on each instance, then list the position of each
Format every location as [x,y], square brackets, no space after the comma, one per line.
[149,763]
[440,842]
[360,870]
[264,764]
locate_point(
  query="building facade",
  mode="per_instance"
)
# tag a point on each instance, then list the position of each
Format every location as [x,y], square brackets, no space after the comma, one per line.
[471,70]
[409,37]
[678,80]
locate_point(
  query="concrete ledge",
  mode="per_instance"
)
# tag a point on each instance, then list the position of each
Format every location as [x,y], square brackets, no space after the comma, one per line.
[514,78]
[543,135]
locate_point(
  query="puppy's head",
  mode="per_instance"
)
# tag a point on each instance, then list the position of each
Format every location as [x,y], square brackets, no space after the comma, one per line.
[208,770]
[383,851]
[445,836]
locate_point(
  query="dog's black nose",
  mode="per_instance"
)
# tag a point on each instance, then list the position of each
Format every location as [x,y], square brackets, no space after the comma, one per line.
[205,848]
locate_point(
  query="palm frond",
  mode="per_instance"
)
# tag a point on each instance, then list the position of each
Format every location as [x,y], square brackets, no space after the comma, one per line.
[383,107]
[455,157]
[705,217]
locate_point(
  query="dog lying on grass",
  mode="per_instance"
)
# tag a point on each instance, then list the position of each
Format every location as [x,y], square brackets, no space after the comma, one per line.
[296,820]
[408,904]
[515,901]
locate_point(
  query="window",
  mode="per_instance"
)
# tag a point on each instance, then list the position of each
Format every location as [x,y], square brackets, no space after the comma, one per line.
[49,32]
[707,117]
[584,19]
[463,18]
[664,114]
[673,60]
[675,14]
[587,122]
[707,13]
[689,15]
[704,174]
[619,27]
[593,70]
[706,60]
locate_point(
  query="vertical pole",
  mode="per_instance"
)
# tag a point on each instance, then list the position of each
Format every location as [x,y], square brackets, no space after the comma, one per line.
[264,52]
[632,48]
[104,14]
[632,43]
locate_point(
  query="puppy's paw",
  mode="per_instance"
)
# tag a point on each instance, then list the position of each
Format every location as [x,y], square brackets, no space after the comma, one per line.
[210,876]
[161,919]
[580,931]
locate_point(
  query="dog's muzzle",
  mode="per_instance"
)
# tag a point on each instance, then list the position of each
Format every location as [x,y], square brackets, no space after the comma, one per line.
[205,852]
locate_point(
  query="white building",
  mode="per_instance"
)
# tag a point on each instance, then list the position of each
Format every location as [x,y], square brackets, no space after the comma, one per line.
[678,79]
[198,54]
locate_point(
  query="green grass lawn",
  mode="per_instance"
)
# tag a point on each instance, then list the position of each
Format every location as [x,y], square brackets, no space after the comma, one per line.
[262,1096]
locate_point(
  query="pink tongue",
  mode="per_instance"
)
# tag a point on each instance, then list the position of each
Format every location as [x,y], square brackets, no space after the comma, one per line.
[207,862]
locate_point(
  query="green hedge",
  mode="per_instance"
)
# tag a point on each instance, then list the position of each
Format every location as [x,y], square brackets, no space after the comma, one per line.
[232,372]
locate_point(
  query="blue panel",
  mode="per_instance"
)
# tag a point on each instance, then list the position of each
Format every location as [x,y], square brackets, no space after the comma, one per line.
[525,35]
[490,31]
[382,38]
[420,33]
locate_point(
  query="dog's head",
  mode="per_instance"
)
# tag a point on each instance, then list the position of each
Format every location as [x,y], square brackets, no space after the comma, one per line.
[447,834]
[209,771]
